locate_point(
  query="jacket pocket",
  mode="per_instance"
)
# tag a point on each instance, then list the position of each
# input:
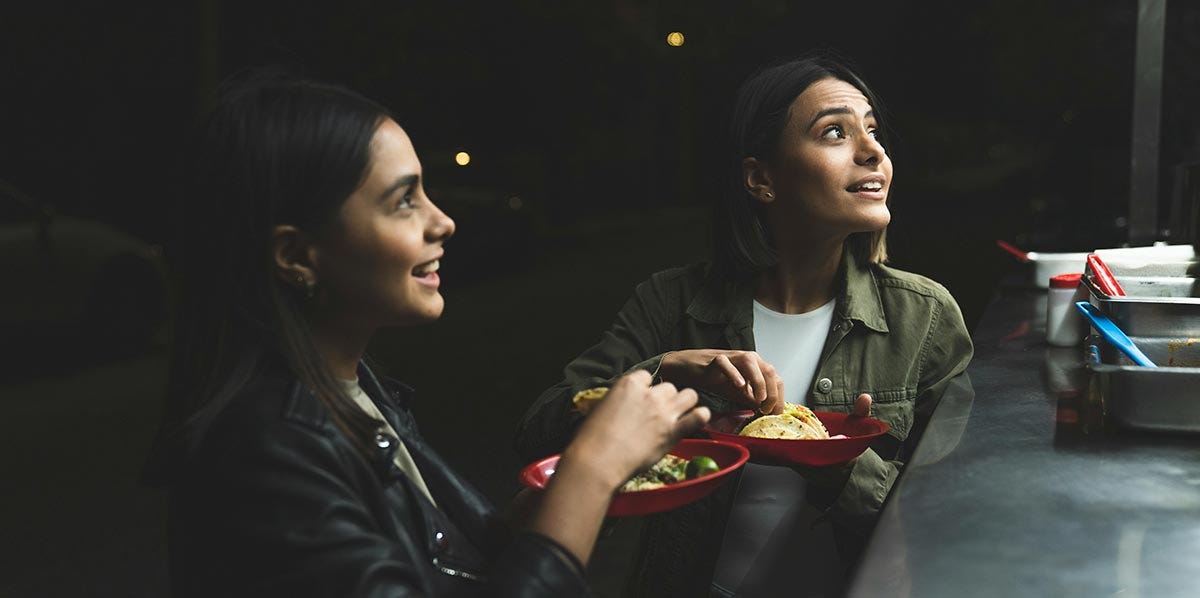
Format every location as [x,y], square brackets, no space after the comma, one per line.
[894,406]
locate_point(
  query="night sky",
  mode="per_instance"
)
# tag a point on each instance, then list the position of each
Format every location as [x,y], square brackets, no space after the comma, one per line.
[1010,119]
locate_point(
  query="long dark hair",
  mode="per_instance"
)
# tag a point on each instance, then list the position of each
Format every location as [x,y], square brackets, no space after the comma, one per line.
[760,115]
[274,149]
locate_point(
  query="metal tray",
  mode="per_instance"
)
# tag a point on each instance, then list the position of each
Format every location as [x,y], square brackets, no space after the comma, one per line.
[1158,279]
[1161,399]
[1153,306]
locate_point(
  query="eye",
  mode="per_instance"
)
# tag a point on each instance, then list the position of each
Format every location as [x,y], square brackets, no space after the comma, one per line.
[874,133]
[406,200]
[833,132]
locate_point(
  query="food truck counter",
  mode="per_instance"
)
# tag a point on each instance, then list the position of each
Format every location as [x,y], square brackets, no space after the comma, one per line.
[1021,486]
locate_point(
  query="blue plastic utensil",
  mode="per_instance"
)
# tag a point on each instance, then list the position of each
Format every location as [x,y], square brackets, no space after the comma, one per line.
[1113,334]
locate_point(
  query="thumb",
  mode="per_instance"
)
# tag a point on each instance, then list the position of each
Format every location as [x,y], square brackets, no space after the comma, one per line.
[862,405]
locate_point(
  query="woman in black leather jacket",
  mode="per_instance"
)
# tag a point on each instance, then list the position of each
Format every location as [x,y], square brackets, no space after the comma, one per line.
[292,468]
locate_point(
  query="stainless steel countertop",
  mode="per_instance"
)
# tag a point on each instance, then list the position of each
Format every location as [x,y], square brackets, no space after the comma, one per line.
[1022,488]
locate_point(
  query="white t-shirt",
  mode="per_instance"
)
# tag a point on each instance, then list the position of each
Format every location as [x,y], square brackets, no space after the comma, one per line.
[792,343]
[402,458]
[772,537]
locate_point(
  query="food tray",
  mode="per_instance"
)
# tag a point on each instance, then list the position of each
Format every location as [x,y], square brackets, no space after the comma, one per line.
[858,433]
[1160,399]
[1158,279]
[1154,306]
[1046,265]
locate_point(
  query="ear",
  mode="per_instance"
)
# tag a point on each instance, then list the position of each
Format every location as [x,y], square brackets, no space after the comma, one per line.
[292,255]
[756,177]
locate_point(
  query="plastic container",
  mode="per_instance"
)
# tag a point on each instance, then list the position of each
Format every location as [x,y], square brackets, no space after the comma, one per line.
[1064,326]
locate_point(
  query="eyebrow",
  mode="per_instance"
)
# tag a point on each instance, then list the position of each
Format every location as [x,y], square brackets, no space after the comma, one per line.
[400,183]
[838,110]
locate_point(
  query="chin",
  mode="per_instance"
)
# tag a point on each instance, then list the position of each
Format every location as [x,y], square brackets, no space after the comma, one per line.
[878,219]
[425,313]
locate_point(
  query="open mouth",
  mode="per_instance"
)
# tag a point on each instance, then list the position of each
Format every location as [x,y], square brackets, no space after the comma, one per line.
[427,272]
[868,186]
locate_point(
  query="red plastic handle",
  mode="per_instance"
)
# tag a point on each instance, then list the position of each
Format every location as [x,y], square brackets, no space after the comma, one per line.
[1104,277]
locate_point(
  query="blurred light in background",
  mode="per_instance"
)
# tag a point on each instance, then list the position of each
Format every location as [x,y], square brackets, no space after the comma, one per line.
[515,203]
[675,39]
[462,158]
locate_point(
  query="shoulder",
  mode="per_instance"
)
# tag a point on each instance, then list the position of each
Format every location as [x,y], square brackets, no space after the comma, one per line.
[270,413]
[896,282]
[911,299]
[684,277]
[673,286]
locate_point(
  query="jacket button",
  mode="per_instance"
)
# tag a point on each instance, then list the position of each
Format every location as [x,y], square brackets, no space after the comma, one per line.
[824,385]
[440,540]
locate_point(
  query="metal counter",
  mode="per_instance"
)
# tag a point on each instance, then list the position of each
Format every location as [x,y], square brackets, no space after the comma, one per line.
[1023,488]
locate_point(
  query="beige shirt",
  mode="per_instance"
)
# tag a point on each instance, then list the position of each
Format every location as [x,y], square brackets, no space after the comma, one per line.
[402,459]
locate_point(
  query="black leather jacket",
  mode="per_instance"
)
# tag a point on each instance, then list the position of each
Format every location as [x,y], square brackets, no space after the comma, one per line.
[276,501]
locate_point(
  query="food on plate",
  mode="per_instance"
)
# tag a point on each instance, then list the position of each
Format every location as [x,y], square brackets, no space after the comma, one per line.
[585,399]
[671,470]
[701,466]
[797,422]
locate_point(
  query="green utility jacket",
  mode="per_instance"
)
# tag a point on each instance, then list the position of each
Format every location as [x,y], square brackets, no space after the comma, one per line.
[896,335]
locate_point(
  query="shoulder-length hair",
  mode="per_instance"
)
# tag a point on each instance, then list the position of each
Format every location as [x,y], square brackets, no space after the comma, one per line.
[760,115]
[273,149]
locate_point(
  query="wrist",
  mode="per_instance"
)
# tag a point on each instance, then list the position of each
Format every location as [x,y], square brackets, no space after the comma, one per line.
[580,465]
[666,367]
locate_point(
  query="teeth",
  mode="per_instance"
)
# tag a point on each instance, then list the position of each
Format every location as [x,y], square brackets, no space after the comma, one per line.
[429,268]
[871,186]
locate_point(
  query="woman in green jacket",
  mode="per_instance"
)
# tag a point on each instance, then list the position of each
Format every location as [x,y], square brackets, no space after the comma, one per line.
[797,307]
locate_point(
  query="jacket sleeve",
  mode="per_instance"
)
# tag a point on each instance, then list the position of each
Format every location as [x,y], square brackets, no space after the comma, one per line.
[281,516]
[633,342]
[945,354]
[278,515]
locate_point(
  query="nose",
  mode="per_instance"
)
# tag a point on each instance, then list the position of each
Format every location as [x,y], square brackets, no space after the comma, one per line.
[439,227]
[869,152]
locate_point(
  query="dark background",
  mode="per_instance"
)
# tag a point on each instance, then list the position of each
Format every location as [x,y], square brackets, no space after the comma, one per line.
[596,154]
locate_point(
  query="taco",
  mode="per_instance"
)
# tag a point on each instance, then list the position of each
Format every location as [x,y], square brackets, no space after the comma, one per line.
[585,399]
[797,422]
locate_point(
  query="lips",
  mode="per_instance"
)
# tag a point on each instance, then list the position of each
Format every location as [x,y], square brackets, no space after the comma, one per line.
[870,184]
[426,269]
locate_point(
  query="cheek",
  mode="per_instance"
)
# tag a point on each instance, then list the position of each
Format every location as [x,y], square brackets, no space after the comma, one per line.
[812,171]
[379,261]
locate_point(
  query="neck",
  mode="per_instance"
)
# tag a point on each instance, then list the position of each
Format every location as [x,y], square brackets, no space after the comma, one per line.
[803,280]
[341,345]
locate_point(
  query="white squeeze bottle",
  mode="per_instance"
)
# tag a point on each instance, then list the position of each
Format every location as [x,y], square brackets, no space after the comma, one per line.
[1064,324]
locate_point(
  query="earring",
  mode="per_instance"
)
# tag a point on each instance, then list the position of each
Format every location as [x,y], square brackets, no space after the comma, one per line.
[308,286]
[769,195]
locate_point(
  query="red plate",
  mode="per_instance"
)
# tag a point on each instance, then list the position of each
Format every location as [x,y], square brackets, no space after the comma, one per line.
[728,456]
[859,432]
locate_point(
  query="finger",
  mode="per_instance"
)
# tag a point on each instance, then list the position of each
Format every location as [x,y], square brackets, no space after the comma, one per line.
[683,400]
[636,379]
[774,388]
[663,394]
[776,407]
[862,405]
[723,365]
[757,380]
[692,420]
